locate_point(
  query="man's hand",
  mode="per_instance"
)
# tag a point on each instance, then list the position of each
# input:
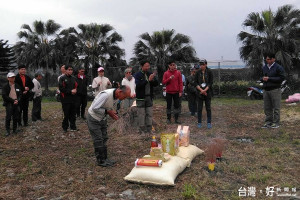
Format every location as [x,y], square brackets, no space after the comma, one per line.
[26,88]
[108,83]
[112,114]
[151,77]
[265,78]
[74,91]
[133,96]
[171,77]
[16,102]
[180,94]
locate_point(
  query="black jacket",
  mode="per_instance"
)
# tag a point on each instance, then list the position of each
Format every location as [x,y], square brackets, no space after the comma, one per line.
[66,85]
[82,85]
[6,91]
[276,75]
[208,79]
[190,86]
[28,83]
[141,83]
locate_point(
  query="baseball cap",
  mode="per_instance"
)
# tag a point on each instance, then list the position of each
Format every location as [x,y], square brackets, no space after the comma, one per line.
[202,61]
[100,69]
[10,74]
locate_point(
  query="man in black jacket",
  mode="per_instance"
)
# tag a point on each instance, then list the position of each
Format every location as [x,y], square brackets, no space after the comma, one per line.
[204,82]
[145,81]
[273,75]
[11,94]
[26,84]
[81,93]
[68,89]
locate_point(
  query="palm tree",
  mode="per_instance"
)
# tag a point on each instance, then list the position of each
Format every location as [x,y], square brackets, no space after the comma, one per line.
[161,46]
[7,57]
[37,50]
[66,47]
[277,32]
[99,44]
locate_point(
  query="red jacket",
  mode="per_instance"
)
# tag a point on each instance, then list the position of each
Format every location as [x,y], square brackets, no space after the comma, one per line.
[174,85]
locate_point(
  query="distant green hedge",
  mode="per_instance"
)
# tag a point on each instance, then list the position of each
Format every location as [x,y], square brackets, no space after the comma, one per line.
[233,88]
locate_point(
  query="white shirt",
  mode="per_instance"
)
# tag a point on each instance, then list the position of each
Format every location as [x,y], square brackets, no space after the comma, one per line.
[130,84]
[37,89]
[102,86]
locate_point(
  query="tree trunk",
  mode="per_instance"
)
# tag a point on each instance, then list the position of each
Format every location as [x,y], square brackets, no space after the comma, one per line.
[46,78]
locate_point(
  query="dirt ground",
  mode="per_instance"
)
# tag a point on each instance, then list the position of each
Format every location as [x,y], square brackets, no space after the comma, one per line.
[42,162]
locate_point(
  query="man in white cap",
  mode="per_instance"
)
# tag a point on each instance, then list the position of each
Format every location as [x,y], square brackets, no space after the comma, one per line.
[100,83]
[37,97]
[11,94]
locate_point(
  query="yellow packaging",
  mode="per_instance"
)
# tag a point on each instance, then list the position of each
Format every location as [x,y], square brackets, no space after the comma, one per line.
[184,135]
[170,143]
[163,156]
[156,151]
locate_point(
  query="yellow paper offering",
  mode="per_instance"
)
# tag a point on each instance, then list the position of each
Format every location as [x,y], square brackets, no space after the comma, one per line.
[170,143]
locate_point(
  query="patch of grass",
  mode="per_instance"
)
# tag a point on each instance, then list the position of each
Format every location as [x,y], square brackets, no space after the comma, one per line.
[258,178]
[189,192]
[233,101]
[296,141]
[237,169]
[234,196]
[81,151]
[273,150]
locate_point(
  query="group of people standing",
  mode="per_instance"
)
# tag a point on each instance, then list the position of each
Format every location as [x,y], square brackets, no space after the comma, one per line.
[16,94]
[137,87]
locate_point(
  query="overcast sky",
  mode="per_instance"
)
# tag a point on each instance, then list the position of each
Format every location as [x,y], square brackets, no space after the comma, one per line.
[212,25]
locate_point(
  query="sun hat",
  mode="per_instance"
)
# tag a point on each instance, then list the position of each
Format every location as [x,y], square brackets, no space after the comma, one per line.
[10,74]
[100,69]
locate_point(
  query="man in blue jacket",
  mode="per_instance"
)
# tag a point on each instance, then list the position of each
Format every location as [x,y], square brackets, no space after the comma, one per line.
[273,75]
[145,81]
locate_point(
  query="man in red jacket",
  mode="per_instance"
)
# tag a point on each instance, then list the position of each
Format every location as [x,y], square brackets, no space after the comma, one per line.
[173,80]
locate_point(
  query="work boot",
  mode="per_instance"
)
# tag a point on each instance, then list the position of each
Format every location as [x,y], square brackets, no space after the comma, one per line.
[176,119]
[101,158]
[169,119]
[110,162]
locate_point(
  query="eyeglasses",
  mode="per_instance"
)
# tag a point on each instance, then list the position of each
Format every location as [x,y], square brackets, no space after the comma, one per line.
[268,58]
[128,72]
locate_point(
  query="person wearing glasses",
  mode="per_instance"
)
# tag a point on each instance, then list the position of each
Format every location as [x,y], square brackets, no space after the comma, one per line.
[273,75]
[204,82]
[130,82]
[172,78]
